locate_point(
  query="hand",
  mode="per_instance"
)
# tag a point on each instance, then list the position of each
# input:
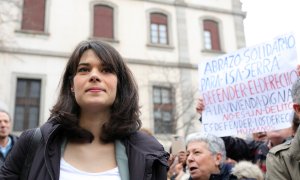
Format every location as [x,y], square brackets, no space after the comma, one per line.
[179,171]
[171,160]
[178,168]
[200,104]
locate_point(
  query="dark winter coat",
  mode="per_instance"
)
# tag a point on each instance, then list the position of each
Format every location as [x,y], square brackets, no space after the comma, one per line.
[146,157]
[225,174]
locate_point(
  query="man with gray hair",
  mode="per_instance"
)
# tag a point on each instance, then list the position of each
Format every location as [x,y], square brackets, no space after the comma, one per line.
[206,157]
[6,139]
[283,160]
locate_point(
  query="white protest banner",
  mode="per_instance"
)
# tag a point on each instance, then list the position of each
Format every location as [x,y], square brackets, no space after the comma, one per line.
[249,90]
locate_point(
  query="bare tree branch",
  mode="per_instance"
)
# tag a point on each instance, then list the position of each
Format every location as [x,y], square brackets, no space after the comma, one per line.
[185,112]
[9,13]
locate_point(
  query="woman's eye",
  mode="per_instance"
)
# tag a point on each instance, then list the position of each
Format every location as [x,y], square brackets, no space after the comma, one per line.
[197,152]
[107,70]
[83,69]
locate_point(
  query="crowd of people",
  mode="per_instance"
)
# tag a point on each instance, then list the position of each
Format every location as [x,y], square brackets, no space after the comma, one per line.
[272,155]
[94,132]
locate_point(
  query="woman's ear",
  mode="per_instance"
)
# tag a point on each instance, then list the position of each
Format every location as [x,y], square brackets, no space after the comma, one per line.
[218,159]
[71,83]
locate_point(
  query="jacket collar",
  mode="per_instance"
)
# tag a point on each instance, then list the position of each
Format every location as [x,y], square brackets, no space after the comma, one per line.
[122,160]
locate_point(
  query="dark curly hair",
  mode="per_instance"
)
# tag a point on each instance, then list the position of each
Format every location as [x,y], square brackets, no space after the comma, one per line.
[125,111]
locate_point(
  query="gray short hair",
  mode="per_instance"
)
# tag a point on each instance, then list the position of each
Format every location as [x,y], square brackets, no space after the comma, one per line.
[215,144]
[4,111]
[296,91]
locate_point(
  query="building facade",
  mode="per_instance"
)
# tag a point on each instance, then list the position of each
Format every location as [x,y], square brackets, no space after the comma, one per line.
[161,40]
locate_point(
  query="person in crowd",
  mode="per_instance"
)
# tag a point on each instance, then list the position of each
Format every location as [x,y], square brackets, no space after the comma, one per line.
[181,172]
[283,160]
[178,169]
[254,150]
[245,170]
[274,138]
[178,158]
[7,140]
[93,129]
[206,157]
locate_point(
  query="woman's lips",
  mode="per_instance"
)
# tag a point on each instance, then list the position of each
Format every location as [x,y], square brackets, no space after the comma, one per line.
[95,89]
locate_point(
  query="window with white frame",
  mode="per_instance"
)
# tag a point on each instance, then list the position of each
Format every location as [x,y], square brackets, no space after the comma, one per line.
[211,35]
[159,28]
[27,104]
[163,110]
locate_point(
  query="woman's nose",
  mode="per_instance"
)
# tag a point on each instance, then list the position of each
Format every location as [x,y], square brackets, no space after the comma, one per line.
[189,157]
[95,77]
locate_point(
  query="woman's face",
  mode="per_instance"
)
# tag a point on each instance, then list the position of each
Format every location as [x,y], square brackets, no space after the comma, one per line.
[95,85]
[200,161]
[182,157]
